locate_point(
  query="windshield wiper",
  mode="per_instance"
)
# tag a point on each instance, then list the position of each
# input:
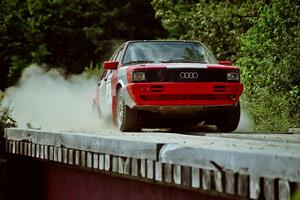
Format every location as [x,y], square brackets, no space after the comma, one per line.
[182,61]
[139,61]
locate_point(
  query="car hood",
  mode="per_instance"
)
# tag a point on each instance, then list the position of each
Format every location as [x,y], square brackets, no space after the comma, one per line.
[180,65]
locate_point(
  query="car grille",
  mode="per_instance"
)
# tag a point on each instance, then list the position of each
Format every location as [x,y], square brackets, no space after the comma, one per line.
[186,75]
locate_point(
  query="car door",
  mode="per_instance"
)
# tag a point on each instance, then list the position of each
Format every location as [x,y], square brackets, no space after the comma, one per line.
[106,88]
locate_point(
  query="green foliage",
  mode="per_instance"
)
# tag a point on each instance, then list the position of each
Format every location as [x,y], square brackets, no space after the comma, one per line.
[93,70]
[30,126]
[270,66]
[218,24]
[6,121]
[262,36]
[296,196]
[68,34]
[1,95]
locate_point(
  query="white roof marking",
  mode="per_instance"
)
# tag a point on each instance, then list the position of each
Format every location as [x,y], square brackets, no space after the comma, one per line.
[187,65]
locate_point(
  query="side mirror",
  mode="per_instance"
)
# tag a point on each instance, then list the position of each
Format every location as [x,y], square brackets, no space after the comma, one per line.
[113,65]
[225,62]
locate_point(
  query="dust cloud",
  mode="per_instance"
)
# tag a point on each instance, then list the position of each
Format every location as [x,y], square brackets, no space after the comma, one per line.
[246,123]
[48,101]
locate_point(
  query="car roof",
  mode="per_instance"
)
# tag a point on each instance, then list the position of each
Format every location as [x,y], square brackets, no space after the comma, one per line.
[132,41]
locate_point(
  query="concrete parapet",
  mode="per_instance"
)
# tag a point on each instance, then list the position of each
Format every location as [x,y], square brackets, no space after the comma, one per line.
[243,167]
[86,142]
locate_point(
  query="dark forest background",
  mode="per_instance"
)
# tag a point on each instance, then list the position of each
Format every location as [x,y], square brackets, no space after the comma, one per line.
[69,34]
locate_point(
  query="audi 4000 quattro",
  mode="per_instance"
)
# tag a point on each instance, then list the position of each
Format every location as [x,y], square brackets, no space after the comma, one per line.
[168,84]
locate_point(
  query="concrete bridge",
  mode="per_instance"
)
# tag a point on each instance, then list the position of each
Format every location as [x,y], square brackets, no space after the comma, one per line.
[61,165]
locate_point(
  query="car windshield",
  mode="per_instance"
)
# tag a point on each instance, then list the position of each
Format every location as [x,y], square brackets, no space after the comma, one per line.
[167,52]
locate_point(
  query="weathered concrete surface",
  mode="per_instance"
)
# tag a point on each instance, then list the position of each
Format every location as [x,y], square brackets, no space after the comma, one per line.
[284,137]
[119,146]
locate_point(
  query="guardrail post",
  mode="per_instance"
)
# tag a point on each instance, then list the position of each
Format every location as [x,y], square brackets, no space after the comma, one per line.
[284,190]
[158,171]
[243,185]
[196,177]
[229,182]
[269,189]
[254,187]
[206,179]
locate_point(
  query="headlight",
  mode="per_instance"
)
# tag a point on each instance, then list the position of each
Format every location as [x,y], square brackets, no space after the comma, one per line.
[138,76]
[233,76]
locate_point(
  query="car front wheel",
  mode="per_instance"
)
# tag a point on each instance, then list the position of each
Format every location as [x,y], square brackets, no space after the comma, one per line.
[229,120]
[127,118]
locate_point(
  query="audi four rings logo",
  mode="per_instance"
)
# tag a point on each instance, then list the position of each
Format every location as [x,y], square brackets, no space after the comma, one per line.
[188,75]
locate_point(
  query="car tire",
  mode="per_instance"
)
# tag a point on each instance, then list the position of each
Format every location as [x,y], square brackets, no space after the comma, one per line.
[230,119]
[127,118]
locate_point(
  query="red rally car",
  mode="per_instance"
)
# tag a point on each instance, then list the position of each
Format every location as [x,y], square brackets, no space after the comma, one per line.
[168,84]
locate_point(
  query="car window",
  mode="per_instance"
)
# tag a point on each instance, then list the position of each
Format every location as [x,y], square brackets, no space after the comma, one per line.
[113,56]
[167,51]
[108,73]
[103,74]
[116,56]
[119,55]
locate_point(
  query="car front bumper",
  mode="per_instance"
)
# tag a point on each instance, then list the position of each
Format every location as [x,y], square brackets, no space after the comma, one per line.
[173,95]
